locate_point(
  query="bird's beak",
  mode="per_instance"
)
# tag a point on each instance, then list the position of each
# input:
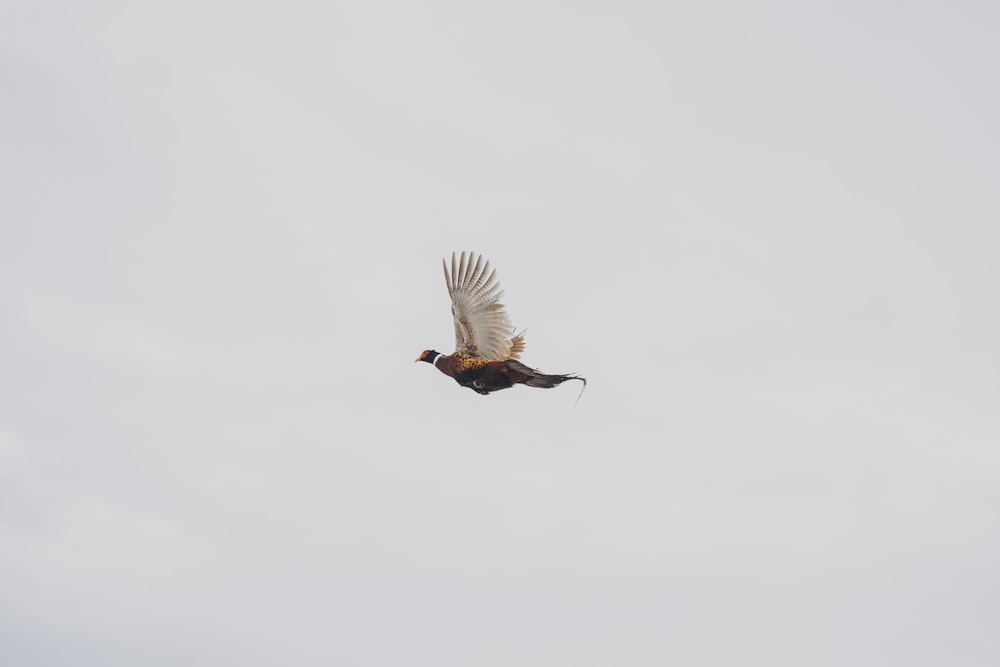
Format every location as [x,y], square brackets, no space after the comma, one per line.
[416,360]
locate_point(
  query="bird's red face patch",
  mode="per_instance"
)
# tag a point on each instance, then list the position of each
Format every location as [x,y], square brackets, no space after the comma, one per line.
[427,355]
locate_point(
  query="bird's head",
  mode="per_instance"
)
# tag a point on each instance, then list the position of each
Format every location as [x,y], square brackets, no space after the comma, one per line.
[428,356]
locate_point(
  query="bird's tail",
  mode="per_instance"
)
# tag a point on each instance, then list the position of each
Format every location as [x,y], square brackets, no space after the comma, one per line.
[521,374]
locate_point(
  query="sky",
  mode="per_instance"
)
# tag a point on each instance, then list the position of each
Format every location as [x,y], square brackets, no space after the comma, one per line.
[766,233]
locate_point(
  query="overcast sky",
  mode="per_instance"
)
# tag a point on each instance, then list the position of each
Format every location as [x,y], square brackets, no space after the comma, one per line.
[767,233]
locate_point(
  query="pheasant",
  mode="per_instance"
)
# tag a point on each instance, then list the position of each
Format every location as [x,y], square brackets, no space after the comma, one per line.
[486,347]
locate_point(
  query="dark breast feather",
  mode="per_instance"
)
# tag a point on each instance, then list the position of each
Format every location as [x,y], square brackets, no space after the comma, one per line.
[489,378]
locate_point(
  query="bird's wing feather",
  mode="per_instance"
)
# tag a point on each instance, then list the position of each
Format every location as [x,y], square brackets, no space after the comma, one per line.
[482,327]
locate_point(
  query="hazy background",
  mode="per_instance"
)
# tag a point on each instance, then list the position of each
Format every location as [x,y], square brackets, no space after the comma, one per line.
[766,232]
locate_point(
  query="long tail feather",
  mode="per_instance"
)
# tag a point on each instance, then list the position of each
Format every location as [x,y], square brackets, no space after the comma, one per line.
[521,374]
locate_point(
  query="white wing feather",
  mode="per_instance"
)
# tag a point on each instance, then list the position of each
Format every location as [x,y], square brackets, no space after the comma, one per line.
[482,327]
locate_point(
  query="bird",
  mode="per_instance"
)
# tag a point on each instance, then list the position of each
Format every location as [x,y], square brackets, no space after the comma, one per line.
[487,347]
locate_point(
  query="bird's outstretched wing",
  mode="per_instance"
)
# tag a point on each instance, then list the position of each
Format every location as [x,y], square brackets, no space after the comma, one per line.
[482,327]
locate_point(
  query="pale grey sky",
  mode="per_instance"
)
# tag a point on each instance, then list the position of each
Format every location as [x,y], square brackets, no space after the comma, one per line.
[766,232]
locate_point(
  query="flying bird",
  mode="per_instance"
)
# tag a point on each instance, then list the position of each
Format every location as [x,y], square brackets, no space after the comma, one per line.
[486,346]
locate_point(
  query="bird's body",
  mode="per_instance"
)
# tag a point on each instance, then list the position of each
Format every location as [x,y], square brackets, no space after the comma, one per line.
[486,346]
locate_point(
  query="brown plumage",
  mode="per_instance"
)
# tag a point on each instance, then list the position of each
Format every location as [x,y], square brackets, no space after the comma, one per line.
[486,347]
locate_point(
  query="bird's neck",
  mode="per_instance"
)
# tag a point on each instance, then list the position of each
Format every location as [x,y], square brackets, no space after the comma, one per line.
[443,367]
[446,364]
